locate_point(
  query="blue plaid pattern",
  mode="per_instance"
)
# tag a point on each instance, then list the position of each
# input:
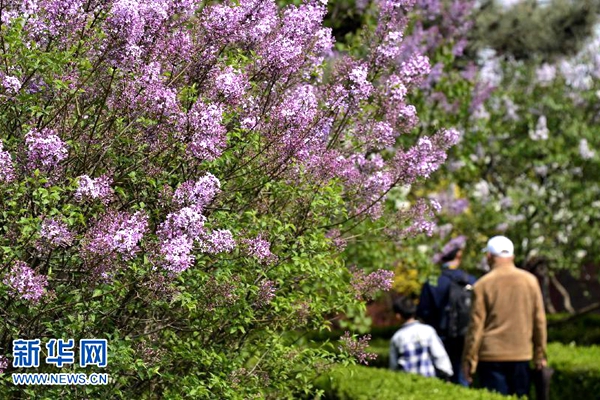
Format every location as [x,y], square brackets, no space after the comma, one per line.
[415,359]
[417,349]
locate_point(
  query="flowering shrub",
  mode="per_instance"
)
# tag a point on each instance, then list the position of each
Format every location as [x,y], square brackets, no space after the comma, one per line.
[172,173]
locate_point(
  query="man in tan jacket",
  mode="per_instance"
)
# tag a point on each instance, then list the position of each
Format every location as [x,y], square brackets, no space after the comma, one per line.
[508,324]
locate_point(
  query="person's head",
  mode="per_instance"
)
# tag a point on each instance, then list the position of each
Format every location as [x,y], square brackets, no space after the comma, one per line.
[451,254]
[499,249]
[404,308]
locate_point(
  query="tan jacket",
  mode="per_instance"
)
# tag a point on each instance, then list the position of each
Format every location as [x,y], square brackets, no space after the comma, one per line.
[507,318]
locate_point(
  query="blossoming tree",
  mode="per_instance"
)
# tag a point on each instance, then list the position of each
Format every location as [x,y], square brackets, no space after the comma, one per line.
[174,177]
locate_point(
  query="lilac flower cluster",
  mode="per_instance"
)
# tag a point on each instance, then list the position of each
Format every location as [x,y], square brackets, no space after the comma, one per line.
[231,84]
[338,241]
[24,283]
[45,149]
[182,228]
[12,84]
[198,193]
[218,241]
[357,348]
[584,150]
[7,170]
[56,233]
[3,364]
[266,293]
[116,232]
[204,126]
[366,286]
[260,249]
[98,188]
[221,294]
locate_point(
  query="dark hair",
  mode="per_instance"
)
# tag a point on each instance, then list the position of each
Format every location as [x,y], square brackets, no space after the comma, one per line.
[450,256]
[405,306]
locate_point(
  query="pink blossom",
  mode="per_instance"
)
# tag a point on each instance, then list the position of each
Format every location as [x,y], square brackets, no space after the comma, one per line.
[218,241]
[197,193]
[357,348]
[366,286]
[116,232]
[24,283]
[12,84]
[89,188]
[45,148]
[56,232]
[260,249]
[7,170]
[266,293]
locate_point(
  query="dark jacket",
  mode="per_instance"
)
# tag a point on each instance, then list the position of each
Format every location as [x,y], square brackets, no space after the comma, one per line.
[434,298]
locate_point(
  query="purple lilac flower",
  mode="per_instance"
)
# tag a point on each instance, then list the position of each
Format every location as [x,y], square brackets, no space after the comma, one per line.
[335,235]
[45,148]
[231,84]
[12,84]
[98,188]
[266,293]
[206,133]
[390,48]
[23,282]
[177,253]
[415,69]
[199,193]
[260,249]
[3,364]
[397,89]
[458,206]
[188,221]
[357,348]
[7,171]
[128,235]
[366,286]
[56,232]
[361,88]
[218,241]
[221,294]
[117,232]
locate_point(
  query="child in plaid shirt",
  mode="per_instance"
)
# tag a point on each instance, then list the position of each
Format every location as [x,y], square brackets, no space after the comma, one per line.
[416,348]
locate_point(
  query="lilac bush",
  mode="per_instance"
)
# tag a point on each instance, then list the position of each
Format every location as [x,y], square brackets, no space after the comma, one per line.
[172,172]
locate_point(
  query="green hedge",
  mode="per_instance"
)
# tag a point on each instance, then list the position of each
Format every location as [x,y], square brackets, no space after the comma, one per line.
[577,371]
[583,330]
[364,383]
[577,368]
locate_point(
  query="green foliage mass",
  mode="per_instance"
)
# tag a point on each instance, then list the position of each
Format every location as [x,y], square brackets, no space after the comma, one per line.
[532,28]
[364,383]
[577,369]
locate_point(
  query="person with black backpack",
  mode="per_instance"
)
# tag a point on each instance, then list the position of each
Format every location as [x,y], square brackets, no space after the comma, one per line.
[446,304]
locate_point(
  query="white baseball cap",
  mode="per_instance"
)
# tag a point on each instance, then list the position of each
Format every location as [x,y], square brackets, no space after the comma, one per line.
[500,246]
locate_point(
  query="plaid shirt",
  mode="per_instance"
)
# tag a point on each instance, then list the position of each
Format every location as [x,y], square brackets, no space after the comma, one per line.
[417,349]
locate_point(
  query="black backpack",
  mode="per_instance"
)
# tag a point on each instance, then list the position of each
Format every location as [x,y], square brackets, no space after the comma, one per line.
[455,320]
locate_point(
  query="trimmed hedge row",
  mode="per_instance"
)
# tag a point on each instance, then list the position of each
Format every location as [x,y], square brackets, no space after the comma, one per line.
[577,368]
[577,371]
[583,330]
[364,383]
